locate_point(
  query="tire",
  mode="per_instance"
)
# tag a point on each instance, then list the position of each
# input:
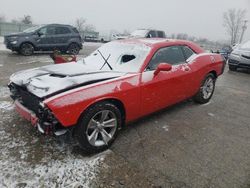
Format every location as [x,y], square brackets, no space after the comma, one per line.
[92,134]
[232,68]
[206,90]
[73,49]
[26,49]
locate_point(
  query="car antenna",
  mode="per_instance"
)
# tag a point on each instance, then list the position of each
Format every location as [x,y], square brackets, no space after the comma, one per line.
[106,61]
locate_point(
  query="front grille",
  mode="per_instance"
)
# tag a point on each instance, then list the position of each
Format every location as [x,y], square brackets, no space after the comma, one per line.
[26,98]
[231,61]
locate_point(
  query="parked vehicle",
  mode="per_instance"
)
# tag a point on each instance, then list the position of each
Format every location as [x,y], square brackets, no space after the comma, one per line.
[45,38]
[118,83]
[225,51]
[148,33]
[240,57]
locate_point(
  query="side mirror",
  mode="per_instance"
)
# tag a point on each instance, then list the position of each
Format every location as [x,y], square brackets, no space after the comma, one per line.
[162,67]
[39,33]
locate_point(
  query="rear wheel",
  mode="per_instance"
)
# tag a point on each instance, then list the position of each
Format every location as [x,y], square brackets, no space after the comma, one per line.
[73,49]
[26,49]
[98,127]
[232,68]
[206,90]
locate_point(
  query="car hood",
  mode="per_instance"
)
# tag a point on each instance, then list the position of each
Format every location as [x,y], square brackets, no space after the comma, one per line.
[242,52]
[53,79]
[21,34]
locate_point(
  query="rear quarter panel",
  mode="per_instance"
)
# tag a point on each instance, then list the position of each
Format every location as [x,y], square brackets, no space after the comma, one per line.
[68,106]
[203,64]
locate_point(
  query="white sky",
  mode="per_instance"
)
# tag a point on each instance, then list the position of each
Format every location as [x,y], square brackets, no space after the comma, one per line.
[200,18]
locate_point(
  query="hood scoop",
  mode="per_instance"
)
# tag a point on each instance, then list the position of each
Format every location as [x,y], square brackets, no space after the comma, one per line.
[58,75]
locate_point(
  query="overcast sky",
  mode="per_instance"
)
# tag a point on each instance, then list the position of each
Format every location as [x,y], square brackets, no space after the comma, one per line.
[200,18]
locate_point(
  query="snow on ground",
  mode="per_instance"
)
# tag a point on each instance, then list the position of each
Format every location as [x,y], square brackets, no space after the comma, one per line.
[58,167]
[30,160]
[97,44]
[6,105]
[4,92]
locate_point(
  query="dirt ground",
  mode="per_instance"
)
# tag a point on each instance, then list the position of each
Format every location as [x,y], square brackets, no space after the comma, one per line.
[187,145]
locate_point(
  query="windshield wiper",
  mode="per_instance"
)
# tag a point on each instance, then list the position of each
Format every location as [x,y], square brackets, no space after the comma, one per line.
[106,61]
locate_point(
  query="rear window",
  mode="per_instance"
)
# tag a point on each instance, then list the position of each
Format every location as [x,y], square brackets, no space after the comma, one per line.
[188,52]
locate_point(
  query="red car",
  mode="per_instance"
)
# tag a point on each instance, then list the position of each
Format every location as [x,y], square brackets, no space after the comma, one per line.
[118,83]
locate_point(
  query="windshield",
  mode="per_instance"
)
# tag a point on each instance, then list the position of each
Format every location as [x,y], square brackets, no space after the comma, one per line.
[245,46]
[31,29]
[122,57]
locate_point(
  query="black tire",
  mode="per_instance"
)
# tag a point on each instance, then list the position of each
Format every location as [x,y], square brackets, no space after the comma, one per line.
[73,49]
[232,68]
[205,92]
[83,132]
[26,49]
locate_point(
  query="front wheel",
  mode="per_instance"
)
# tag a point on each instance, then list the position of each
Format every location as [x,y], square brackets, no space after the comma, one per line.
[26,49]
[232,68]
[206,90]
[73,49]
[98,127]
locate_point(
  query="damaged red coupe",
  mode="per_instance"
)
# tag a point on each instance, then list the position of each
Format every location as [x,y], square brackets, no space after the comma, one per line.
[118,83]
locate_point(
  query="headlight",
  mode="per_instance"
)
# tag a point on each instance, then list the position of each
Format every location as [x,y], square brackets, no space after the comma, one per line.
[13,39]
[14,42]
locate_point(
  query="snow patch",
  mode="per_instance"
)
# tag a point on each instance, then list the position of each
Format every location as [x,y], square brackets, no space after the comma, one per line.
[211,114]
[6,105]
[4,92]
[1,65]
[70,171]
[165,127]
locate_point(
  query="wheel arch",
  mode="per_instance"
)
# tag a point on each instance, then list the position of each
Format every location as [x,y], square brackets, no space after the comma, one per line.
[214,73]
[117,102]
[28,42]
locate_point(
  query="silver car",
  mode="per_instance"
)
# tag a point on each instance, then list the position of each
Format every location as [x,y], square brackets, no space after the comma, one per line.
[240,57]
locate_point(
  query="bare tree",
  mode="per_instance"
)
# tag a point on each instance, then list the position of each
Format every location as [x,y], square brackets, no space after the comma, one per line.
[89,28]
[232,21]
[80,24]
[26,19]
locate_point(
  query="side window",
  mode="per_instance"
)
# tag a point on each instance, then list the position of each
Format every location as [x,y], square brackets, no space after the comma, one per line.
[188,52]
[172,55]
[62,30]
[50,30]
[151,34]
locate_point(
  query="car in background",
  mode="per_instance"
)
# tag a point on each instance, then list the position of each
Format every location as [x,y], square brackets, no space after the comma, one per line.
[118,83]
[147,33]
[225,51]
[49,37]
[240,57]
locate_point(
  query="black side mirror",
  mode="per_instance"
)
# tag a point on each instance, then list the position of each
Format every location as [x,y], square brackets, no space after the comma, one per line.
[39,33]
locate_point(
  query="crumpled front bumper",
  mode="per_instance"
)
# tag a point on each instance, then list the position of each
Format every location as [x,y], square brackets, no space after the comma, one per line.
[26,113]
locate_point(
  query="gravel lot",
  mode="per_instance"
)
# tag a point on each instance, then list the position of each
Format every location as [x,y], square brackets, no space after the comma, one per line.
[187,145]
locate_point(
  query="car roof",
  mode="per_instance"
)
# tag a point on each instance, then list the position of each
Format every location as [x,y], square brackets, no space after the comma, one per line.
[162,42]
[58,25]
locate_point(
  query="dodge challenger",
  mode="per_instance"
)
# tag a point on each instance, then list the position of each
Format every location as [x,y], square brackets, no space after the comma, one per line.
[116,84]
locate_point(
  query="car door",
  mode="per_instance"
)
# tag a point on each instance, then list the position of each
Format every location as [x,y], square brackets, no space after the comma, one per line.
[45,38]
[167,87]
[62,36]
